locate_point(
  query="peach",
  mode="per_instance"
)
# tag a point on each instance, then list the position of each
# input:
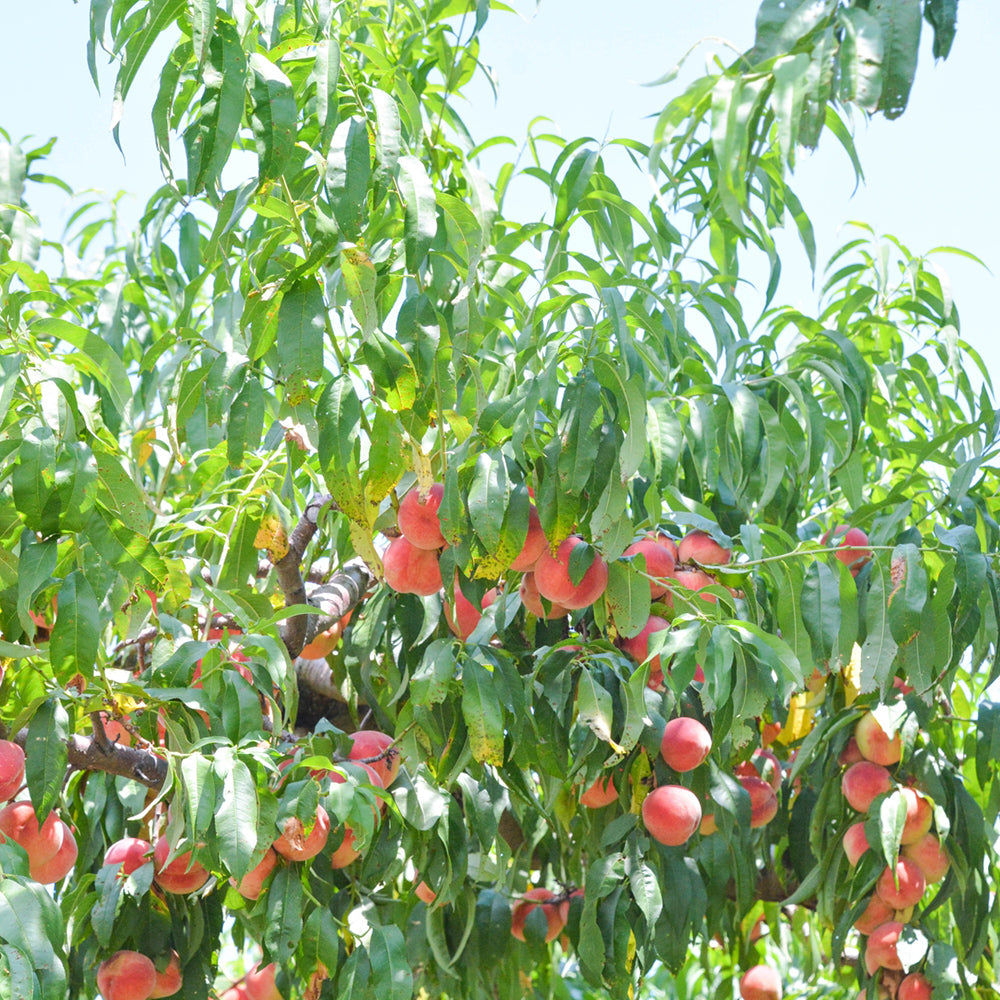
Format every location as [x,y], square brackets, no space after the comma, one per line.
[638,646]
[11,769]
[19,822]
[761,983]
[127,975]
[532,600]
[535,543]
[929,857]
[763,800]
[915,987]
[852,547]
[601,793]
[762,764]
[708,826]
[418,520]
[60,864]
[554,583]
[299,844]
[700,547]
[863,783]
[880,951]
[250,886]
[370,743]
[850,754]
[556,914]
[903,885]
[874,742]
[671,814]
[685,744]
[855,843]
[258,983]
[181,876]
[346,852]
[919,817]
[409,570]
[462,616]
[235,992]
[129,853]
[696,580]
[659,563]
[115,730]
[170,980]
[875,914]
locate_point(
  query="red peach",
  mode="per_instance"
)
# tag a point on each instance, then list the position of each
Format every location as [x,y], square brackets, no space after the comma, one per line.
[852,547]
[554,583]
[874,742]
[638,646]
[418,520]
[699,546]
[880,952]
[127,975]
[919,817]
[11,769]
[60,864]
[600,793]
[875,914]
[535,543]
[369,743]
[250,886]
[170,980]
[409,570]
[258,983]
[129,853]
[762,764]
[556,914]
[19,822]
[763,800]
[929,857]
[685,744]
[659,563]
[346,852]
[903,885]
[181,876]
[671,814]
[850,754]
[298,844]
[855,843]
[863,783]
[532,600]
[696,580]
[915,987]
[761,983]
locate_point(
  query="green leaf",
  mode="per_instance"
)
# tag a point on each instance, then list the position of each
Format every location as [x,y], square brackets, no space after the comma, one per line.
[46,756]
[348,174]
[387,136]
[201,793]
[420,224]
[246,421]
[908,596]
[942,16]
[595,708]
[75,636]
[236,815]
[782,23]
[273,116]
[338,414]
[391,974]
[878,652]
[574,184]
[202,27]
[900,22]
[32,923]
[988,741]
[120,495]
[240,564]
[17,978]
[821,609]
[326,70]
[483,714]
[860,58]
[359,280]
[285,905]
[489,500]
[626,599]
[299,338]
[492,926]
[158,15]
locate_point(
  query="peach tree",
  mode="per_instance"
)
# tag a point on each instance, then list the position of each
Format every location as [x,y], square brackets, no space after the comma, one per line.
[400,597]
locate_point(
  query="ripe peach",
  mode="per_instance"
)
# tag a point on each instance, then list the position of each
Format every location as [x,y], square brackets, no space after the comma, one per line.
[556,914]
[852,547]
[929,857]
[127,975]
[60,864]
[919,816]
[671,814]
[258,983]
[115,730]
[903,885]
[915,987]
[863,783]
[874,742]
[855,843]
[11,769]
[685,744]
[19,822]
[762,764]
[874,915]
[409,570]
[346,852]
[699,546]
[850,754]
[535,543]
[417,518]
[532,600]
[181,876]
[129,853]
[324,643]
[250,886]
[368,743]
[659,562]
[880,951]
[235,992]
[170,980]
[761,983]
[553,580]
[694,579]
[763,800]
[638,646]
[600,793]
[298,844]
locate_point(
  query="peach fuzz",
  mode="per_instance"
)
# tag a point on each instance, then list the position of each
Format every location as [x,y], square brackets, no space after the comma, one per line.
[251,885]
[700,547]
[855,842]
[532,600]
[685,744]
[417,517]
[535,543]
[863,783]
[170,980]
[875,744]
[556,914]
[409,570]
[180,876]
[659,562]
[554,583]
[880,951]
[671,814]
[915,987]
[929,857]
[19,822]
[902,886]
[299,844]
[761,983]
[601,793]
[11,769]
[127,975]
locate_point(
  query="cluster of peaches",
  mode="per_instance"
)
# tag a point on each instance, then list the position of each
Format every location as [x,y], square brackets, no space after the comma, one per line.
[921,861]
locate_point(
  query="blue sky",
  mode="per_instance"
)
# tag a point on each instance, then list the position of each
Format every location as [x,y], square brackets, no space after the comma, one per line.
[931,175]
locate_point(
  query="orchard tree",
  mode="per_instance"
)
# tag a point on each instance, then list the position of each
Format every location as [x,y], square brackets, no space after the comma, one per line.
[402,599]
